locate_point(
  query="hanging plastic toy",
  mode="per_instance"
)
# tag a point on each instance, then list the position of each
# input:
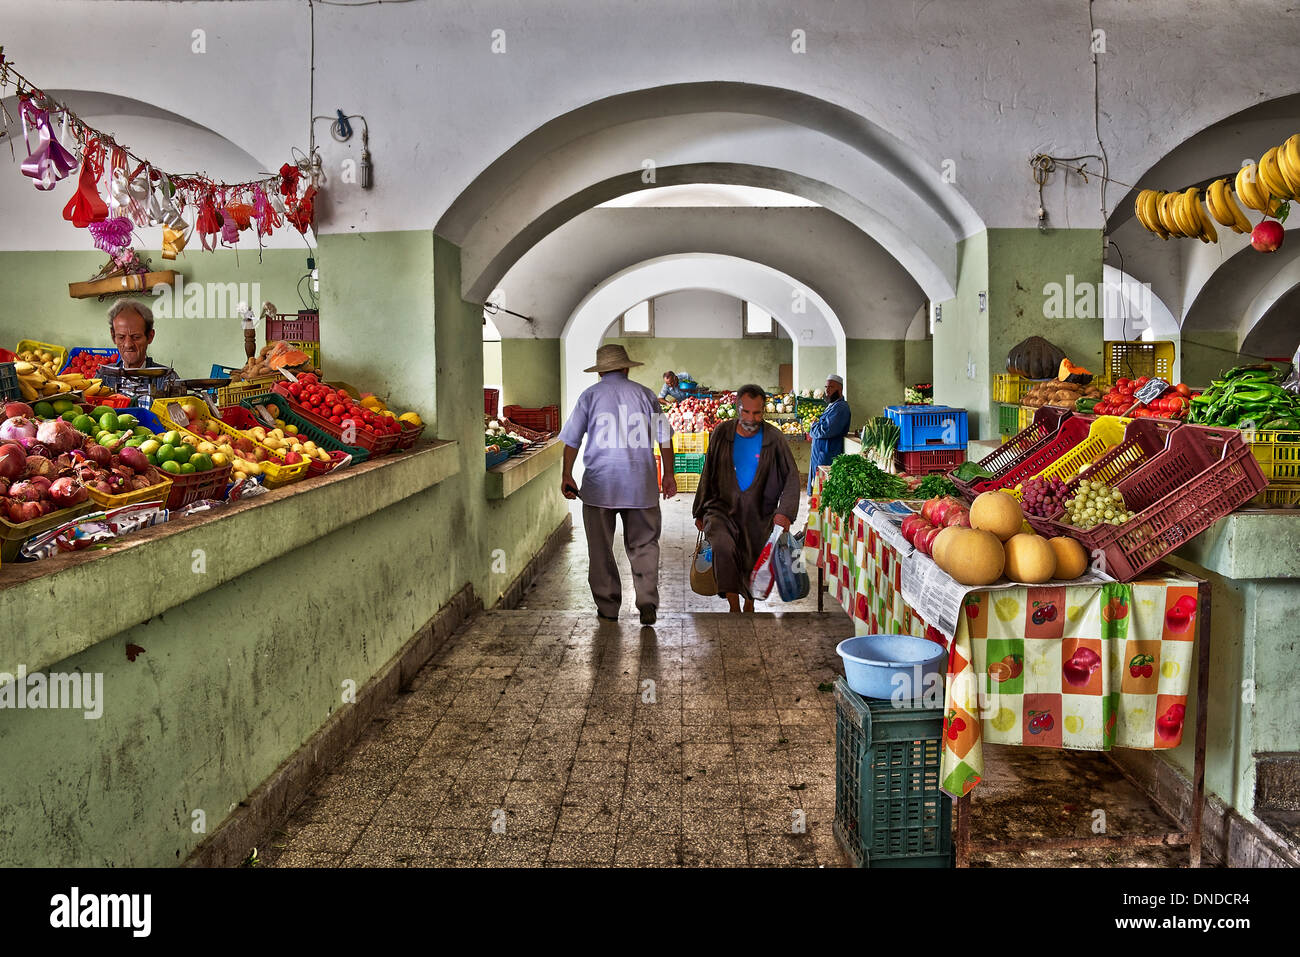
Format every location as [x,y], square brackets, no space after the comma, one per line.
[49,162]
[86,206]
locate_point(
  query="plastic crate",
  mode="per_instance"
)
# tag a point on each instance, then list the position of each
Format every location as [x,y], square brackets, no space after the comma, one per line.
[1009,388]
[490,399]
[1278,454]
[109,354]
[1143,439]
[143,416]
[410,435]
[1043,425]
[1072,431]
[301,327]
[545,419]
[188,489]
[1286,496]
[689,462]
[372,442]
[238,417]
[923,463]
[690,442]
[276,471]
[9,390]
[929,427]
[1134,359]
[14,536]
[496,458]
[1106,433]
[1200,476]
[1009,419]
[158,492]
[889,808]
[312,350]
[687,481]
[236,392]
[318,435]
[60,352]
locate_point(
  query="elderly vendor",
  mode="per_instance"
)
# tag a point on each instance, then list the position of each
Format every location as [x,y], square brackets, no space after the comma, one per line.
[673,388]
[130,323]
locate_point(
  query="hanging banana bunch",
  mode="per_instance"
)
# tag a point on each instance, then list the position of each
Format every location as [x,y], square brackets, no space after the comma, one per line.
[1266,187]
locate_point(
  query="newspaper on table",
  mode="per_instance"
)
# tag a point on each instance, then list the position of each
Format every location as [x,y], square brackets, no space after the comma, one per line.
[930,591]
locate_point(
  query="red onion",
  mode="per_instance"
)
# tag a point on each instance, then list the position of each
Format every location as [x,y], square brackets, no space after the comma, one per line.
[26,492]
[41,481]
[17,429]
[40,465]
[13,460]
[60,436]
[66,492]
[21,409]
[99,455]
[134,459]
[25,512]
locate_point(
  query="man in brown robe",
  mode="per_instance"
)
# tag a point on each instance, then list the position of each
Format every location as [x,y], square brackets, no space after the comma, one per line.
[737,521]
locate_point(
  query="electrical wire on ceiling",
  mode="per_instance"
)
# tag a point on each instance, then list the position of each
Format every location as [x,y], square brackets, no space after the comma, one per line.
[1096,113]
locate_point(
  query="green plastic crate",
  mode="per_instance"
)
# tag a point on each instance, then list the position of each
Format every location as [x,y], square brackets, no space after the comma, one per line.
[889,809]
[305,428]
[692,462]
[1008,419]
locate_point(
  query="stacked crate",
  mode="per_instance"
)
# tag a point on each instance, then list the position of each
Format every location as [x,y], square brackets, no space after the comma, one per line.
[932,438]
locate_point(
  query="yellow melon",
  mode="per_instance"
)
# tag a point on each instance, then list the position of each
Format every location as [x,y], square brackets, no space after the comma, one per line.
[1071,559]
[940,542]
[997,512]
[1030,559]
[973,557]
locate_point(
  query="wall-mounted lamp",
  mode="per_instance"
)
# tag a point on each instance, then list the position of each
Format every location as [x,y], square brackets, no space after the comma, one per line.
[984,302]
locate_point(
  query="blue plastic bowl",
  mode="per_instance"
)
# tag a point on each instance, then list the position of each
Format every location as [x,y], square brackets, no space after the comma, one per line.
[873,665]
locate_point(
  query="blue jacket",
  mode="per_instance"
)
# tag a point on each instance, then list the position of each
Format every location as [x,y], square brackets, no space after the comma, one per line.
[828,436]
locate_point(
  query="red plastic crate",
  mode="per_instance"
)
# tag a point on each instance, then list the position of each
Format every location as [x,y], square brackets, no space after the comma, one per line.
[1200,476]
[1044,427]
[545,419]
[295,327]
[188,489]
[490,399]
[410,435]
[923,463]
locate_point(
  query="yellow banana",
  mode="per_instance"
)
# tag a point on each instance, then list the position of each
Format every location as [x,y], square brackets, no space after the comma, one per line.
[1230,202]
[1214,203]
[1208,233]
[29,392]
[24,368]
[1139,210]
[1271,176]
[1187,220]
[1288,161]
[1150,214]
[1249,189]
[1167,217]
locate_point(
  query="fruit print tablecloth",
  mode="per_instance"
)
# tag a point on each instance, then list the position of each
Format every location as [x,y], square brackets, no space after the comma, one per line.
[1086,667]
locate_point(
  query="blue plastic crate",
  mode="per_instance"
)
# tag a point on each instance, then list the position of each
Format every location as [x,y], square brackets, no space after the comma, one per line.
[78,350]
[929,427]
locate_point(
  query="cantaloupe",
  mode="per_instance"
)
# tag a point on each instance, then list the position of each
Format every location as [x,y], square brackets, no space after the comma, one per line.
[973,557]
[997,512]
[1030,559]
[940,542]
[1071,559]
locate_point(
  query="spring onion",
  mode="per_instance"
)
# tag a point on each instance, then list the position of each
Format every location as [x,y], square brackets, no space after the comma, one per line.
[879,441]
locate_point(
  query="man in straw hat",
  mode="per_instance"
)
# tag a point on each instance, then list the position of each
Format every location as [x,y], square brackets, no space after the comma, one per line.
[827,433]
[620,420]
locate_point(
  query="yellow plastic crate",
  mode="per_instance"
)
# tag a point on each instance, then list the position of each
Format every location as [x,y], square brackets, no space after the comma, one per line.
[1134,359]
[1103,435]
[691,442]
[687,481]
[1277,496]
[60,352]
[1026,416]
[236,392]
[276,471]
[1009,388]
[154,493]
[311,348]
[1278,455]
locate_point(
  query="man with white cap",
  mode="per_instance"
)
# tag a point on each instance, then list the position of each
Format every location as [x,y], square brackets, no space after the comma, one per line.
[828,431]
[620,420]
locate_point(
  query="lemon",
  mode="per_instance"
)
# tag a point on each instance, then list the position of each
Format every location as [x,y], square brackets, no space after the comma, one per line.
[173,467]
[1004,719]
[1073,723]
[1170,669]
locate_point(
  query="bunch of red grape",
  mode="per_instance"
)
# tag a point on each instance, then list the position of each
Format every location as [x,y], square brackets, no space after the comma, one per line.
[1042,497]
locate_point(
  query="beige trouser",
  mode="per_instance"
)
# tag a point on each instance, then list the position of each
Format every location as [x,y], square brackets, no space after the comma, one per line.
[641,539]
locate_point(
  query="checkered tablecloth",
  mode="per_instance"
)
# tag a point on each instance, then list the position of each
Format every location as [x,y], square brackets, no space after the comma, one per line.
[1086,667]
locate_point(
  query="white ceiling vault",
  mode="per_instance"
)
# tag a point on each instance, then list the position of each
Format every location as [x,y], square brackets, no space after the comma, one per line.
[501,124]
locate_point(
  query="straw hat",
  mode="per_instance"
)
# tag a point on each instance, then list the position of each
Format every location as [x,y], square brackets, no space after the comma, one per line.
[611,359]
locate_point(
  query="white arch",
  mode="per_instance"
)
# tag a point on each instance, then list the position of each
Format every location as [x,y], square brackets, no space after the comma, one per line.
[769,288]
[1273,290]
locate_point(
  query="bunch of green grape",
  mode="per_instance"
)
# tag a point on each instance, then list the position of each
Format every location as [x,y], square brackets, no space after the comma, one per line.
[1096,503]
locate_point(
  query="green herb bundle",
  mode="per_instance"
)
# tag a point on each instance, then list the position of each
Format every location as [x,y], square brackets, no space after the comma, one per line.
[934,486]
[854,478]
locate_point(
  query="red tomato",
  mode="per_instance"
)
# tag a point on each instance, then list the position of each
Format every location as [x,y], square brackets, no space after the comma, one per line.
[1120,383]
[336,420]
[1183,390]
[338,409]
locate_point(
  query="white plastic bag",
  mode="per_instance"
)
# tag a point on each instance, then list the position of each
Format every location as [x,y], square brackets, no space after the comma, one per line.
[760,581]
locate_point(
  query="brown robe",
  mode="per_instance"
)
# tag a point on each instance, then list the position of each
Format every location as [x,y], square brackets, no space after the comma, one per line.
[737,524]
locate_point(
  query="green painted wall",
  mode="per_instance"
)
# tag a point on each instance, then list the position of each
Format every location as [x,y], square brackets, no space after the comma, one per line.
[918,361]
[1208,353]
[531,368]
[233,682]
[1015,267]
[815,364]
[718,363]
[34,290]
[874,377]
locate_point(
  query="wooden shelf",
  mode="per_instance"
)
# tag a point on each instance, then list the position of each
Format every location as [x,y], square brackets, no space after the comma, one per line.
[517,471]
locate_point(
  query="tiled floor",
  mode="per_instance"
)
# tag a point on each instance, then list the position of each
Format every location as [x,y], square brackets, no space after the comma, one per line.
[541,737]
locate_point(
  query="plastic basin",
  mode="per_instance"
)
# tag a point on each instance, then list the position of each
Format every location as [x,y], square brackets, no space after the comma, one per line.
[892,666]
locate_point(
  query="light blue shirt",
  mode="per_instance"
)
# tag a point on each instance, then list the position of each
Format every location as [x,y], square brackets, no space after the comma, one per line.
[621,422]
